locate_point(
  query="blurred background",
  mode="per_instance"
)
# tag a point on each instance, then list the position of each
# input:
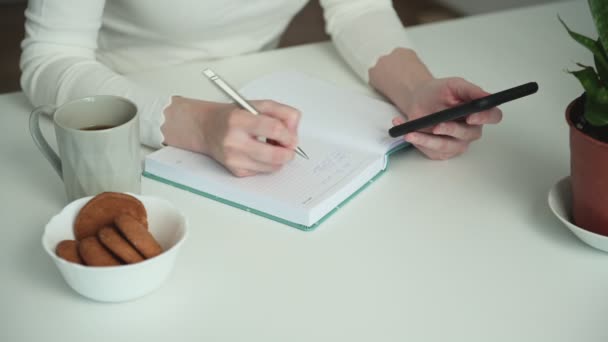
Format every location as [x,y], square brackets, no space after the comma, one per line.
[307,26]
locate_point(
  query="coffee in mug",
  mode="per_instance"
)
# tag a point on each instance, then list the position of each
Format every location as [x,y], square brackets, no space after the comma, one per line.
[97,127]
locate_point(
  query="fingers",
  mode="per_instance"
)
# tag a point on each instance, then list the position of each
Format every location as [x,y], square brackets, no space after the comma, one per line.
[268,154]
[245,166]
[448,139]
[255,157]
[452,138]
[289,116]
[398,120]
[492,116]
[458,130]
[437,147]
[279,122]
[267,127]
[465,90]
[241,152]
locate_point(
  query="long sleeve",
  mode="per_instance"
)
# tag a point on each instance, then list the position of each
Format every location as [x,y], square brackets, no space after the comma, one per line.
[58,62]
[363,31]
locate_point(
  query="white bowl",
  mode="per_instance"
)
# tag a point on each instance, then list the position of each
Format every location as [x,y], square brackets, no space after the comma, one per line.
[560,202]
[124,282]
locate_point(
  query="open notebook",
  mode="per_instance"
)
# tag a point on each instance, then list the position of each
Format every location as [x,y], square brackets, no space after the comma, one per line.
[343,132]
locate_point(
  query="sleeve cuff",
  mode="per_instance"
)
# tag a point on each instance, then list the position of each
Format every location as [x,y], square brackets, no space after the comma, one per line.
[151,119]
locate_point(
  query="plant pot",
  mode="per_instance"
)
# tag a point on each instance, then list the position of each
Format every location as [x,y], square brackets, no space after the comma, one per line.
[589,175]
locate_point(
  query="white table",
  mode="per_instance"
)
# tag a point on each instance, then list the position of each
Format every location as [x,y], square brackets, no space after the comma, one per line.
[459,250]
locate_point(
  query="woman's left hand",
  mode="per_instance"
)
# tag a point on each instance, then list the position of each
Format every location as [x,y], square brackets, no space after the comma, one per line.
[405,80]
[447,139]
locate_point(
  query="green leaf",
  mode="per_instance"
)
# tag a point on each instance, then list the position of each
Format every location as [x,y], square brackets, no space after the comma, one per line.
[601,69]
[599,11]
[589,43]
[595,113]
[596,105]
[588,79]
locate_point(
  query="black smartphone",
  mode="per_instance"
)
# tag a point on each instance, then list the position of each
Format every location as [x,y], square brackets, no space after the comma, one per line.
[475,106]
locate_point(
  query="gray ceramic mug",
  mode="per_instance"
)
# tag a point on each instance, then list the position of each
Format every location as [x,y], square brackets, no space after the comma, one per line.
[98,143]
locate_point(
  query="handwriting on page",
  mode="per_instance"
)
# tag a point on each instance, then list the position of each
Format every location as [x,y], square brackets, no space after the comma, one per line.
[336,164]
[303,181]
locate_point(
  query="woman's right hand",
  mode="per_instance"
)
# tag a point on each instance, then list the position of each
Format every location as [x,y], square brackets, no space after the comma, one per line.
[229,134]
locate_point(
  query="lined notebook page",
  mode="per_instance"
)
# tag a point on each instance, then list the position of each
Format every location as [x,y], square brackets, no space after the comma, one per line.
[327,110]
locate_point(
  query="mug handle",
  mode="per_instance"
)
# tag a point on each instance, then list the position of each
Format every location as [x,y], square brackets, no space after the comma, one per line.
[39,140]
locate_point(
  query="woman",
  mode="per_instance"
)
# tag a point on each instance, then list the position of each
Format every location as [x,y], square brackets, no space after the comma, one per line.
[77,48]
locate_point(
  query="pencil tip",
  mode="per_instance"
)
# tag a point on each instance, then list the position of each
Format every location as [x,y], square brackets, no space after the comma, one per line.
[301,153]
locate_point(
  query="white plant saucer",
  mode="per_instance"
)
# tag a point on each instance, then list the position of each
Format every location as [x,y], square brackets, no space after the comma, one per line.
[560,202]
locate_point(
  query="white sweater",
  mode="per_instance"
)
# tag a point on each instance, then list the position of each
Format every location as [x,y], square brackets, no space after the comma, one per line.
[77,48]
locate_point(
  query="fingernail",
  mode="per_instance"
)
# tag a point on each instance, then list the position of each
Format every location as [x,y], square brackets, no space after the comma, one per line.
[411,138]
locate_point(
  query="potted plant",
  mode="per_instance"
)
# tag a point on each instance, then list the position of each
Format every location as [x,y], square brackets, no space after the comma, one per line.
[587,117]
